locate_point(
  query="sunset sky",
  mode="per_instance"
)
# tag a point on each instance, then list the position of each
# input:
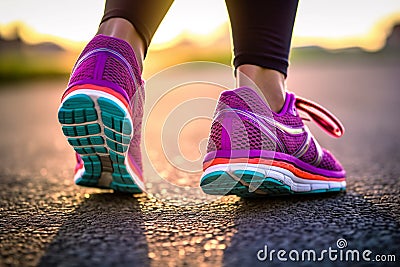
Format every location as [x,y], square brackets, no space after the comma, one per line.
[331,24]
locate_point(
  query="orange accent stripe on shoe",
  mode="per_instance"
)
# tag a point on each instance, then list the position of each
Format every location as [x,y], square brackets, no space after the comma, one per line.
[99,88]
[296,171]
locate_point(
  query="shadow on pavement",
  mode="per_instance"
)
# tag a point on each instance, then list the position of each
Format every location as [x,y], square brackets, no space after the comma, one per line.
[105,230]
[109,229]
[311,223]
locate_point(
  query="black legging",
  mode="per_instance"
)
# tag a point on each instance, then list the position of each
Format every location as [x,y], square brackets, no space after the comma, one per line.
[261,29]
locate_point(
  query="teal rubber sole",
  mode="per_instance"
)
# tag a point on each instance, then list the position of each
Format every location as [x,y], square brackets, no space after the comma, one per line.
[222,183]
[100,132]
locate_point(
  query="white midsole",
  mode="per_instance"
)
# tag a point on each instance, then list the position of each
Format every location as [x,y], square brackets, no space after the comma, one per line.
[94,95]
[296,183]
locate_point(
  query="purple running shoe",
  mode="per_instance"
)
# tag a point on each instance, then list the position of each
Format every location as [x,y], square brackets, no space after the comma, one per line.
[101,115]
[253,151]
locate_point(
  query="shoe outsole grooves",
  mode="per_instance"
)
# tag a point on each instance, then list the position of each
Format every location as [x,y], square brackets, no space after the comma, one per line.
[100,131]
[250,184]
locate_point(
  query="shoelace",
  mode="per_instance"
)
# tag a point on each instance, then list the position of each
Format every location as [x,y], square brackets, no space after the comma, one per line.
[321,116]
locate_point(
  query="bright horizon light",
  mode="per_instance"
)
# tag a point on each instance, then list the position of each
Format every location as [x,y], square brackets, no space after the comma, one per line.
[332,24]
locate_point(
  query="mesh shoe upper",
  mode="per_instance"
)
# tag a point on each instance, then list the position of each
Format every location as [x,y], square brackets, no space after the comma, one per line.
[243,121]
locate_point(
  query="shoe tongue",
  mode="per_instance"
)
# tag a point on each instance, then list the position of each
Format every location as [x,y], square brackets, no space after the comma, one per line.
[289,106]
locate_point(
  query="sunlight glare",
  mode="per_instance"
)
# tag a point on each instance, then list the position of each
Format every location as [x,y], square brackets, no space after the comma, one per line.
[332,24]
[191,17]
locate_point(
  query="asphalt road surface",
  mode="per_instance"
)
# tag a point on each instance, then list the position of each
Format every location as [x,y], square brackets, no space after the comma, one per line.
[46,220]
